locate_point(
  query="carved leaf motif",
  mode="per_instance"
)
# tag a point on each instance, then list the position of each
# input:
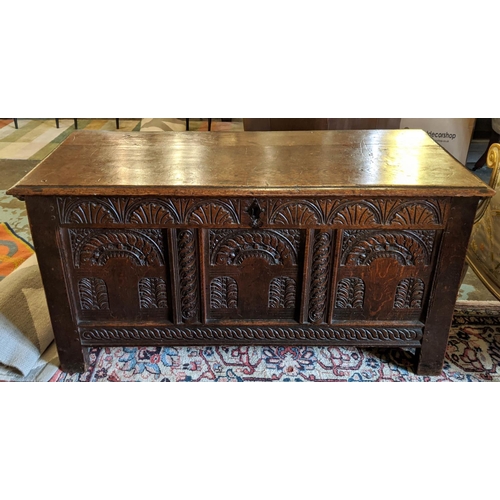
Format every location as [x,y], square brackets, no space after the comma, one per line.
[282,293]
[415,213]
[212,213]
[355,213]
[152,293]
[86,211]
[91,213]
[409,294]
[350,293]
[223,293]
[93,294]
[153,212]
[296,213]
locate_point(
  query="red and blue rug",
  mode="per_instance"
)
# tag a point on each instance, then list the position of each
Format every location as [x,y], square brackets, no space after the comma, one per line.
[473,355]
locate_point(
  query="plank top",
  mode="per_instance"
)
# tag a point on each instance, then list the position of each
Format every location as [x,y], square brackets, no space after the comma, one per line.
[315,163]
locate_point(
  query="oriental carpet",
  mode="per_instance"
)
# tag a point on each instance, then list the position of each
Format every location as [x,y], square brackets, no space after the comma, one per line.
[473,355]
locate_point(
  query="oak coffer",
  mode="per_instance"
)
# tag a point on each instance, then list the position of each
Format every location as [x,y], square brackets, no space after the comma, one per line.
[188,238]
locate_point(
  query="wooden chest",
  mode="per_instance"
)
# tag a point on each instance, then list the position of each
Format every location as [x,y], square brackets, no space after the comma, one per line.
[324,237]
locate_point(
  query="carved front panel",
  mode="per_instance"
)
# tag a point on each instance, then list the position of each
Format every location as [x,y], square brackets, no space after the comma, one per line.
[253,274]
[384,274]
[118,274]
[226,261]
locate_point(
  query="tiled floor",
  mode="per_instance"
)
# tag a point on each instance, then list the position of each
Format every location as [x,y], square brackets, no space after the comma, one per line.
[22,149]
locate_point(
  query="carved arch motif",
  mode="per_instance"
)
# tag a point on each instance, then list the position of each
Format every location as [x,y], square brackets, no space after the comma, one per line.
[409,248]
[96,247]
[233,247]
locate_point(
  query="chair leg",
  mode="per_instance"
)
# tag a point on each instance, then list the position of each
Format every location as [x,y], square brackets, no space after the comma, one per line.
[494,137]
[57,122]
[209,124]
[187,123]
[15,123]
[76,123]
[117,123]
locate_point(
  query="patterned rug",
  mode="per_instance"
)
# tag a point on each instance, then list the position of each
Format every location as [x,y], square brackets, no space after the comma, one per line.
[473,355]
[13,250]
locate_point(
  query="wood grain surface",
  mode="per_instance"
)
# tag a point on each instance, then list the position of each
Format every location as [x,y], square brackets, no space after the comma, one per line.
[228,164]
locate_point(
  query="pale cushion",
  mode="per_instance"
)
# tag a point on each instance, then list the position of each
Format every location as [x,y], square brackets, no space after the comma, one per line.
[25,328]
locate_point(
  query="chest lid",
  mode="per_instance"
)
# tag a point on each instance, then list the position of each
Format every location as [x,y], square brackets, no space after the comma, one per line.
[300,163]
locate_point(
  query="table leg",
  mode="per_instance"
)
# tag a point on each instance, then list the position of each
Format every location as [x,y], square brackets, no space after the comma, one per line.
[46,238]
[446,284]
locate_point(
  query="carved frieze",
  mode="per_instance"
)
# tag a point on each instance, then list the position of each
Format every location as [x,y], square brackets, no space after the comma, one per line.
[350,293]
[96,246]
[282,293]
[243,334]
[356,212]
[223,293]
[409,294]
[152,293]
[409,247]
[93,294]
[223,212]
[145,211]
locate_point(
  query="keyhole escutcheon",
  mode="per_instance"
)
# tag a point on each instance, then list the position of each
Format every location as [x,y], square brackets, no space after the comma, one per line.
[255,211]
